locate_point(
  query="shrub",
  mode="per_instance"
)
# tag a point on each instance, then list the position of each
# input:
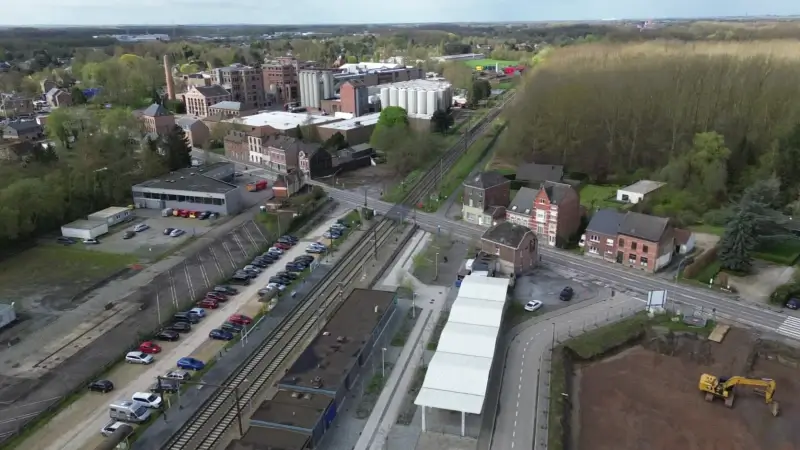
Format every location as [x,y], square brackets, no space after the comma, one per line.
[702,261]
[784,292]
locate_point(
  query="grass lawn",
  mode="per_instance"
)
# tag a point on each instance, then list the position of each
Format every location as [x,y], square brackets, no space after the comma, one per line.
[710,271]
[708,229]
[506,85]
[780,252]
[218,150]
[596,196]
[399,191]
[490,62]
[56,264]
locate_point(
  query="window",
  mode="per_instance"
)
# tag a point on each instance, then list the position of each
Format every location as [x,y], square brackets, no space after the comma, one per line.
[643,261]
[609,242]
[633,245]
[497,250]
[645,249]
[540,229]
[593,249]
[632,258]
[542,201]
[541,216]
[622,243]
[594,238]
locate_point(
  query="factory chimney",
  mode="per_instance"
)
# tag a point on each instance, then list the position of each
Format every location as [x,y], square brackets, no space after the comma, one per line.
[168,78]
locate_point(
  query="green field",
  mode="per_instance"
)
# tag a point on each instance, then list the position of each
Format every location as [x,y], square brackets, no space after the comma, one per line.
[598,197]
[490,62]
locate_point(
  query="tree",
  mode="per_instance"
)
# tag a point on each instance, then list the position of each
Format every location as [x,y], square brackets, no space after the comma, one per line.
[78,98]
[458,74]
[442,121]
[479,90]
[298,132]
[176,149]
[335,142]
[739,242]
[391,116]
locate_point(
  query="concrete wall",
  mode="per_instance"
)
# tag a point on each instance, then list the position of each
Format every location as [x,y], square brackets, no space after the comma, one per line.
[177,199]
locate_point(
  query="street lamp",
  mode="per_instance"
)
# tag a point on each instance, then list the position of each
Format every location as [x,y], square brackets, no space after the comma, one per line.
[678,273]
[235,390]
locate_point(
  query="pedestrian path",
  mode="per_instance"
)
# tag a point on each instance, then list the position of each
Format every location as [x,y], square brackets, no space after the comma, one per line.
[790,327]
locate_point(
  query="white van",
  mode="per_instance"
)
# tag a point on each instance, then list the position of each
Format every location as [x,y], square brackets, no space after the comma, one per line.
[129,411]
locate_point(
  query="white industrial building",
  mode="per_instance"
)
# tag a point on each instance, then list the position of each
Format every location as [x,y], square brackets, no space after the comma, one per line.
[420,98]
[458,373]
[283,120]
[315,86]
[112,215]
[364,67]
[84,229]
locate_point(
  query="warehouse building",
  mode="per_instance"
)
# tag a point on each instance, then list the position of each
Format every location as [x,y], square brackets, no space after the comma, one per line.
[206,188]
[315,388]
[357,130]
[84,229]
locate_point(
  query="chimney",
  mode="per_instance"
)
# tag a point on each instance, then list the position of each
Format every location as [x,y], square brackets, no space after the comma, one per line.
[168,78]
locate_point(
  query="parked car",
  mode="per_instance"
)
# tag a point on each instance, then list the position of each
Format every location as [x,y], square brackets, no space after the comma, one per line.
[167,335]
[110,427]
[190,363]
[283,240]
[103,386]
[139,358]
[128,234]
[141,227]
[251,268]
[180,327]
[279,287]
[330,235]
[185,317]
[165,386]
[261,264]
[533,305]
[282,246]
[275,250]
[232,327]
[289,275]
[221,335]
[566,294]
[293,239]
[793,303]
[208,303]
[227,290]
[177,233]
[199,312]
[217,296]
[318,250]
[179,375]
[150,399]
[91,241]
[240,319]
[292,267]
[168,231]
[63,240]
[149,347]
[240,280]
[203,215]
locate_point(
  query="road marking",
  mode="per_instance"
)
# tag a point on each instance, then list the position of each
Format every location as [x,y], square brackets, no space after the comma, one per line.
[523,355]
[790,327]
[512,444]
[516,413]
[522,364]
[515,423]
[518,394]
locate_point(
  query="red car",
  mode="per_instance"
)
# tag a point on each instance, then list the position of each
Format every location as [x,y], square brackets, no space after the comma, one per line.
[240,319]
[217,296]
[149,347]
[209,303]
[282,246]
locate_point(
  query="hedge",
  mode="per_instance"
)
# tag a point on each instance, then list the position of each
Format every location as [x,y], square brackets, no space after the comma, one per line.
[700,262]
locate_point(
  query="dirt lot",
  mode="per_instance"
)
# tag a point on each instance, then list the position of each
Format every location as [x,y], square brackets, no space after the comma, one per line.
[646,398]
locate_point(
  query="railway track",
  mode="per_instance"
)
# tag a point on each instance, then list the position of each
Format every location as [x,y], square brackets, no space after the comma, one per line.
[216,416]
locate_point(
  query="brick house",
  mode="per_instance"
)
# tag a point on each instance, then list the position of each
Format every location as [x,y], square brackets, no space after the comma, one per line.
[354,98]
[236,146]
[157,119]
[515,246]
[196,130]
[199,99]
[282,153]
[288,184]
[637,240]
[483,192]
[553,211]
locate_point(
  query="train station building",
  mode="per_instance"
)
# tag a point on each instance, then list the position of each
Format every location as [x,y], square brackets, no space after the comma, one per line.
[316,386]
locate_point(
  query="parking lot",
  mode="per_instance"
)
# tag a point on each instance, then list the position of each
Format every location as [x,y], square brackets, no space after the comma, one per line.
[545,284]
[151,243]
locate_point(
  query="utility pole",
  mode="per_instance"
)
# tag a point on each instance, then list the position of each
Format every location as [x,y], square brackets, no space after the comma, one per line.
[436,277]
[365,197]
[375,241]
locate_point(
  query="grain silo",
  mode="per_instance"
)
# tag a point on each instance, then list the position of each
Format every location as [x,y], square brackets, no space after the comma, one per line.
[402,98]
[392,96]
[327,85]
[412,101]
[441,95]
[431,102]
[422,102]
[385,97]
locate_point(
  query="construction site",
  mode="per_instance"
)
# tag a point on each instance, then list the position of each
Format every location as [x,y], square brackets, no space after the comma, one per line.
[669,390]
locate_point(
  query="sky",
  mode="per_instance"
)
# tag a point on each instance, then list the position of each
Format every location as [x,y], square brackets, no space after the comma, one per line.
[279,12]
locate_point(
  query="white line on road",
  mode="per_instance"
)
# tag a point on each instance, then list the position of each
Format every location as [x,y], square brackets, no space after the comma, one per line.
[790,327]
[230,255]
[172,289]
[235,235]
[216,261]
[188,277]
[250,236]
[206,281]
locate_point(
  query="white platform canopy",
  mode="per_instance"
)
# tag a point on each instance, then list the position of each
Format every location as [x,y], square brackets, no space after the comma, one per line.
[458,373]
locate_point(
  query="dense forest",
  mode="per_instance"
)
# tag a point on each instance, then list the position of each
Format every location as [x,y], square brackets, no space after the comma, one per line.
[709,118]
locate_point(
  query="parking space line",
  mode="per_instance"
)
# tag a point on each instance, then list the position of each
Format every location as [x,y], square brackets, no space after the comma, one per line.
[261,232]
[188,277]
[250,236]
[230,255]
[238,241]
[172,289]
[216,261]
[203,270]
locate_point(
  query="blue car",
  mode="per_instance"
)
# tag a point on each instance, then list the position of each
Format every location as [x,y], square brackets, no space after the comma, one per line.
[188,363]
[221,335]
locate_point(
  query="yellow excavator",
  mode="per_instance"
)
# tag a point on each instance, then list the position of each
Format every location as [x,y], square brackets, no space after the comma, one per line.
[723,388]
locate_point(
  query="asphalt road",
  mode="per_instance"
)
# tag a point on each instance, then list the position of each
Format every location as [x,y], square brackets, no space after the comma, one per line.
[722,306]
[523,402]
